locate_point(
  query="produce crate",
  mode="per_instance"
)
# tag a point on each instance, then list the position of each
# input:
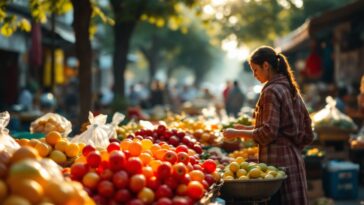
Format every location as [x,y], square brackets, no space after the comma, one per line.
[341,180]
[356,156]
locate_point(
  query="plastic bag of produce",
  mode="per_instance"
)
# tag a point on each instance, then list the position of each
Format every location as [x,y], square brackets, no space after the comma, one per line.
[51,122]
[331,117]
[7,143]
[96,133]
[112,127]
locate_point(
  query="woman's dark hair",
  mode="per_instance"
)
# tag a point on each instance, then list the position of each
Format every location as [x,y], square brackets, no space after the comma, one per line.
[278,63]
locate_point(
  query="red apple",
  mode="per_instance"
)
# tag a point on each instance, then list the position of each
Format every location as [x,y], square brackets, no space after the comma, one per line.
[209,166]
[117,160]
[137,182]
[180,135]
[87,150]
[113,146]
[120,179]
[106,174]
[164,201]
[93,159]
[183,157]
[122,196]
[170,156]
[179,170]
[134,165]
[195,190]
[193,160]
[173,141]
[105,188]
[153,183]
[197,149]
[164,170]
[163,191]
[172,182]
[185,179]
[209,179]
[182,148]
[78,170]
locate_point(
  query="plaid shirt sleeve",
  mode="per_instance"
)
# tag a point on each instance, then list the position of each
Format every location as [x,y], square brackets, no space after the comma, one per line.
[269,108]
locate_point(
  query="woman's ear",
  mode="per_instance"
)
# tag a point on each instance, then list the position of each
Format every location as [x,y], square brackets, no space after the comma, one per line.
[265,65]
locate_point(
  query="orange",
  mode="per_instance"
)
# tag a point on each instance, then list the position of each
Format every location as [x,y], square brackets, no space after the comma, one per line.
[59,193]
[16,200]
[124,145]
[61,145]
[154,148]
[43,149]
[29,189]
[81,145]
[165,146]
[147,171]
[23,142]
[81,159]
[24,153]
[197,175]
[145,157]
[33,142]
[3,190]
[27,169]
[155,164]
[160,154]
[135,148]
[104,155]
[72,150]
[53,137]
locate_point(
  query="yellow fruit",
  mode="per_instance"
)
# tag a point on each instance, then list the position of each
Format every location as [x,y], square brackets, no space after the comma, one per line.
[272,168]
[43,149]
[53,137]
[228,177]
[24,153]
[268,176]
[58,156]
[29,189]
[243,177]
[228,173]
[3,190]
[244,165]
[61,145]
[234,166]
[240,160]
[263,166]
[59,193]
[16,200]
[241,172]
[255,173]
[81,159]
[72,150]
[81,146]
[273,173]
[27,169]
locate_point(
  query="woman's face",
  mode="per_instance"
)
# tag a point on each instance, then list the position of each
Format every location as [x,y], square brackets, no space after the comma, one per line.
[261,72]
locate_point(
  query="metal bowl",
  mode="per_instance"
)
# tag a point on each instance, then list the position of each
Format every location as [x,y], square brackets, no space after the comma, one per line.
[251,189]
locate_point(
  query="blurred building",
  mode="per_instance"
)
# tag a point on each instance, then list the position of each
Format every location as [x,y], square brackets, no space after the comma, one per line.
[330,44]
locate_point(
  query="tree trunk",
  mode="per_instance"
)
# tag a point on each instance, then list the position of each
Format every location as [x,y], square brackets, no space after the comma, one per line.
[81,23]
[123,32]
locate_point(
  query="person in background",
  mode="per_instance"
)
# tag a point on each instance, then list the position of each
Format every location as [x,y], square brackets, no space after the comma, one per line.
[282,124]
[226,91]
[235,100]
[26,99]
[157,93]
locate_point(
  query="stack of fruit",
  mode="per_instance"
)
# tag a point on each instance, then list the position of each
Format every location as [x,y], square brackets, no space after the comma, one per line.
[250,154]
[141,172]
[128,129]
[55,147]
[26,179]
[242,170]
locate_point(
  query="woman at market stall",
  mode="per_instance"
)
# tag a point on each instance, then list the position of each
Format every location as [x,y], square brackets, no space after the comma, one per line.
[283,126]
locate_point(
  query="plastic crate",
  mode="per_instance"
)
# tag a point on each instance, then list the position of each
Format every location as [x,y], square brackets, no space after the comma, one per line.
[341,180]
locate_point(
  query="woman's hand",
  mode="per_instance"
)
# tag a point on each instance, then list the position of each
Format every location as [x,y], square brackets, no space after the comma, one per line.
[229,133]
[243,127]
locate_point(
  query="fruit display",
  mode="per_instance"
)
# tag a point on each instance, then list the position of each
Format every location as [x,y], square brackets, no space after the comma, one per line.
[218,155]
[171,136]
[27,179]
[142,172]
[55,147]
[242,120]
[51,122]
[250,153]
[313,152]
[243,170]
[128,129]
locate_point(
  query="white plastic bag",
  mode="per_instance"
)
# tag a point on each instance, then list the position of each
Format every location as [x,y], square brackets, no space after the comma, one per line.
[51,122]
[96,133]
[330,117]
[7,143]
[116,120]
